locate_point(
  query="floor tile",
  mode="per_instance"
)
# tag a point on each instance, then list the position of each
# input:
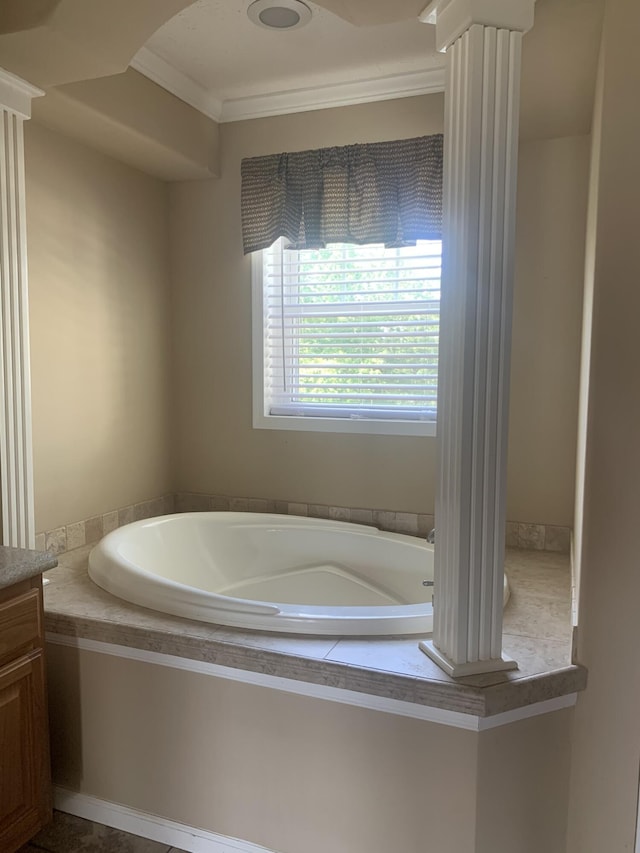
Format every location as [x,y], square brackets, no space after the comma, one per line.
[69,834]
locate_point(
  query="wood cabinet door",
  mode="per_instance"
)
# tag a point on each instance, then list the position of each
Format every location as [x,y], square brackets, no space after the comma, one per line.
[25,785]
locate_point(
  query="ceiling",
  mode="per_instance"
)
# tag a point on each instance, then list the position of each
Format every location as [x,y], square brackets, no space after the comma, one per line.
[214,58]
[234,69]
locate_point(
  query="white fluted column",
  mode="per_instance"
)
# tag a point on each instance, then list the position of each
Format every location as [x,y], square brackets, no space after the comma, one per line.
[482,39]
[16,455]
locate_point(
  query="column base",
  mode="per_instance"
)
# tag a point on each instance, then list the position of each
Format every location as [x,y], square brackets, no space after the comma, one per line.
[458,670]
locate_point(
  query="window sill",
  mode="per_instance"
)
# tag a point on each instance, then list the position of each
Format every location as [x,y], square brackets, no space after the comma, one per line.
[358,426]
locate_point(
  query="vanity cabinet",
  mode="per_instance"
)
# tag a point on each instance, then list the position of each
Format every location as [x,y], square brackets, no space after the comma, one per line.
[25,776]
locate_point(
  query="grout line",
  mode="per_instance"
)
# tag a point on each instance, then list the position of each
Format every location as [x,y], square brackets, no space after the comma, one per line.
[331,649]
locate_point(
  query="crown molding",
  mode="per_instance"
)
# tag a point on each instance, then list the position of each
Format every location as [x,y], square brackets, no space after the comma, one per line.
[337,95]
[280,103]
[16,94]
[168,77]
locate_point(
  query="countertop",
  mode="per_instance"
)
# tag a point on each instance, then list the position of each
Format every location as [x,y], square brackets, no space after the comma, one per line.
[19,564]
[537,634]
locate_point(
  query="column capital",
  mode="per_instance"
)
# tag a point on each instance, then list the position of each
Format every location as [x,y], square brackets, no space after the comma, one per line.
[16,94]
[452,18]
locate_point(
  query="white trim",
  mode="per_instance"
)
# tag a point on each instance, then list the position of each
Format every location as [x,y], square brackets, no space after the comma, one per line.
[452,18]
[359,426]
[160,71]
[263,420]
[281,103]
[338,95]
[481,130]
[459,670]
[16,94]
[429,14]
[16,449]
[454,719]
[637,844]
[150,826]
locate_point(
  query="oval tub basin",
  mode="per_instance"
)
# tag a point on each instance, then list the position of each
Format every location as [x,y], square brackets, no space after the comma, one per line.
[271,573]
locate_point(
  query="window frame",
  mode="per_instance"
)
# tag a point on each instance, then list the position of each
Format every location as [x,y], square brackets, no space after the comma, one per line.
[265,420]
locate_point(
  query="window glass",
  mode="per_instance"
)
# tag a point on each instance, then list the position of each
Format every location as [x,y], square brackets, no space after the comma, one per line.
[347,337]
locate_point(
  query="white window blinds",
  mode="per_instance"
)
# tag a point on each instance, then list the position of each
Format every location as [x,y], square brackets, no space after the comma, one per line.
[351,332]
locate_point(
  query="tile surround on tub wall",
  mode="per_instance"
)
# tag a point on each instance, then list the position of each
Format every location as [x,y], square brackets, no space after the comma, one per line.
[539,537]
[79,533]
[523,535]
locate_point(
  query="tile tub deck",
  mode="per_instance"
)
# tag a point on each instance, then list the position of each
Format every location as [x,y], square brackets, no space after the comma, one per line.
[537,634]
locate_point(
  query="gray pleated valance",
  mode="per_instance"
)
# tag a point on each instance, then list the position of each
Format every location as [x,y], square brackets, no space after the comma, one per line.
[381,192]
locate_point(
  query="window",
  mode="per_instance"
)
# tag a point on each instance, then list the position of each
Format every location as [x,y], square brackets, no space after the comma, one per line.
[346,338]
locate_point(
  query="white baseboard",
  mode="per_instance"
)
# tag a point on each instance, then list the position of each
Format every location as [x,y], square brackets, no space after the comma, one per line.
[150,826]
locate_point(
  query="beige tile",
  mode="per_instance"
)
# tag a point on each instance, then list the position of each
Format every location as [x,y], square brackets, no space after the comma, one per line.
[169,504]
[400,656]
[316,648]
[109,521]
[156,507]
[75,535]
[339,513]
[218,503]
[72,563]
[143,510]
[362,516]
[281,507]
[531,536]
[56,540]
[179,501]
[298,509]
[239,504]
[512,540]
[535,562]
[557,539]
[406,522]
[537,618]
[384,520]
[188,502]
[536,655]
[258,505]
[318,511]
[40,542]
[93,529]
[425,525]
[125,516]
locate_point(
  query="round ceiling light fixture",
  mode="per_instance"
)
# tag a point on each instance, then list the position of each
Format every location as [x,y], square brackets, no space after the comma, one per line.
[279,14]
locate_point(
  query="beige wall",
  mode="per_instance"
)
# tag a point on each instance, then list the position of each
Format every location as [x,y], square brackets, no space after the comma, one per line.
[99,280]
[523,786]
[99,313]
[217,449]
[549,274]
[606,751]
[128,117]
[302,775]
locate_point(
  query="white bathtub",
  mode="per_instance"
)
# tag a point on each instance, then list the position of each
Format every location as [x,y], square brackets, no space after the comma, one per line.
[271,573]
